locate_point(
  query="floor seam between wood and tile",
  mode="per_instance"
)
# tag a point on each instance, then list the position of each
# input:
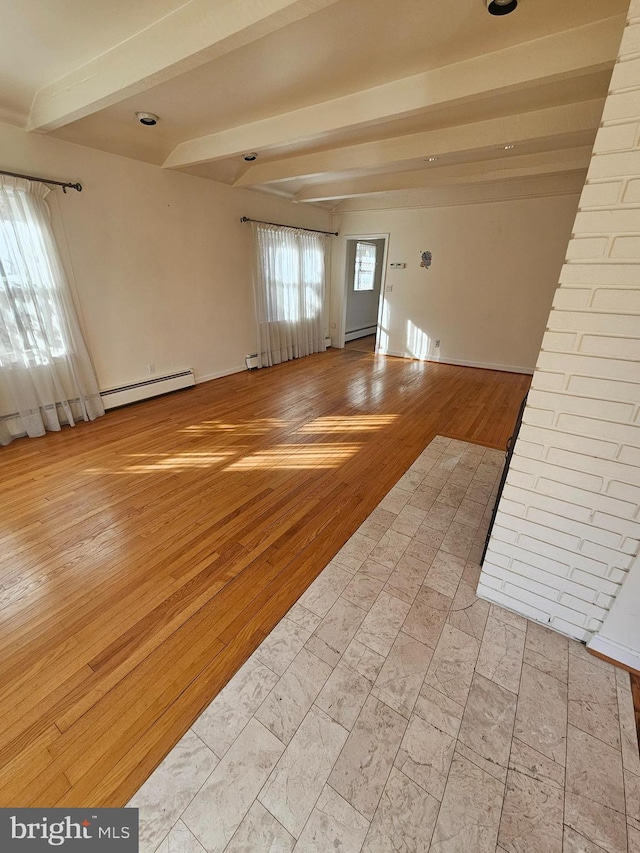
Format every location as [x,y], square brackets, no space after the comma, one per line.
[365,794]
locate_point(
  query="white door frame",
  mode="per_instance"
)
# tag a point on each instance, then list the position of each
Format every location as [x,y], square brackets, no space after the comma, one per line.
[343,289]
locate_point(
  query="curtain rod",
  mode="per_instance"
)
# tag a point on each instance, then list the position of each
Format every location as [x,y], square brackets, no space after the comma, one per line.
[63,184]
[296,227]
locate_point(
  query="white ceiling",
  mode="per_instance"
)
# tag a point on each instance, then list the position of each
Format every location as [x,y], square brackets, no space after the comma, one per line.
[42,41]
[342,99]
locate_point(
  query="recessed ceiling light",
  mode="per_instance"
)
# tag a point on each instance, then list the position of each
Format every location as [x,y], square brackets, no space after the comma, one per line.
[148,119]
[501,7]
[431,159]
[509,147]
[251,157]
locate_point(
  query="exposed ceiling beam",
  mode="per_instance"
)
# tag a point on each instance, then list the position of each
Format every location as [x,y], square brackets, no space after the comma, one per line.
[584,50]
[196,33]
[540,187]
[526,127]
[482,171]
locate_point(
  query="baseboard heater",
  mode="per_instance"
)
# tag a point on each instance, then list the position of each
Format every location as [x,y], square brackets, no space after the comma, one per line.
[136,391]
[252,360]
[354,334]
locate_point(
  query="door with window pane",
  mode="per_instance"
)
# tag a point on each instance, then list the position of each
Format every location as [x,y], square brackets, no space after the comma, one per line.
[364,281]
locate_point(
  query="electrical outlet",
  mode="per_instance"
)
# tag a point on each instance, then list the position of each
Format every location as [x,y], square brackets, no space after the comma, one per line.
[333,325]
[389,288]
[151,368]
[438,343]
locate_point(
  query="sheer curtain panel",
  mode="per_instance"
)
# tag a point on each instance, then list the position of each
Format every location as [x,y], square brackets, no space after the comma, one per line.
[46,376]
[289,283]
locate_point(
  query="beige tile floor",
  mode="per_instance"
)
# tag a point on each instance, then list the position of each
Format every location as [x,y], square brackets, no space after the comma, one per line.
[392,710]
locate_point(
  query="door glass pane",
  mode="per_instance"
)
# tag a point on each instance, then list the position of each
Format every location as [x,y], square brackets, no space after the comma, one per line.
[365,269]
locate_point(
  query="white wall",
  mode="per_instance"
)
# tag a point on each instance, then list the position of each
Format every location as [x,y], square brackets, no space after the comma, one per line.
[160,261]
[568,526]
[488,292]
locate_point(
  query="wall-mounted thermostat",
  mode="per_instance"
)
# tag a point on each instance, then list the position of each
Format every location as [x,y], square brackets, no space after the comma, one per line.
[397,266]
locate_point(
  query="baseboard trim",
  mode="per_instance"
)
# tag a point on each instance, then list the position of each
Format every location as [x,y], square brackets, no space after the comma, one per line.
[520,608]
[459,362]
[616,653]
[507,368]
[207,377]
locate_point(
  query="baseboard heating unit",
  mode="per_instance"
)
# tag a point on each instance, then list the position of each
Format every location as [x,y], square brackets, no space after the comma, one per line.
[360,333]
[152,387]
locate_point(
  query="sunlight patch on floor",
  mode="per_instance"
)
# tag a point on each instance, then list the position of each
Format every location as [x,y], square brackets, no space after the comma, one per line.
[348,423]
[180,461]
[259,426]
[295,456]
[283,456]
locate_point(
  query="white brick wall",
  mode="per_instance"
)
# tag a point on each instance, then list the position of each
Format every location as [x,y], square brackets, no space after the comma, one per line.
[568,524]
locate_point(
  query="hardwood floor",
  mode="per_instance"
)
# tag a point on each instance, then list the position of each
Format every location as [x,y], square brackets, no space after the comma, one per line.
[146,555]
[366,344]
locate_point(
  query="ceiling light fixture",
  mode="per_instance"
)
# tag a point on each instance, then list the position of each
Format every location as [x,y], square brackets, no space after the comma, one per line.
[148,119]
[509,147]
[251,157]
[432,159]
[501,7]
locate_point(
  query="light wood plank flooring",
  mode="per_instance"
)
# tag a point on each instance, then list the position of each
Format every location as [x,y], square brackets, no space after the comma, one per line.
[366,344]
[146,555]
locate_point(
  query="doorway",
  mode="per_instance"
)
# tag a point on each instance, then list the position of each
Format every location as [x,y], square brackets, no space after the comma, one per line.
[364,280]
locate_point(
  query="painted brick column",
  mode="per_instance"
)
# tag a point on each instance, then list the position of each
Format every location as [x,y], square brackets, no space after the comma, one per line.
[568,523]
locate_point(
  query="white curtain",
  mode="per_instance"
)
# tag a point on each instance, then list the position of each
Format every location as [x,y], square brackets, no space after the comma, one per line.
[46,376]
[289,284]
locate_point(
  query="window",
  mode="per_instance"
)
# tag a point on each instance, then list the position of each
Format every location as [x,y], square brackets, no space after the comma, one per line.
[289,284]
[365,266]
[297,267]
[30,331]
[46,376]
